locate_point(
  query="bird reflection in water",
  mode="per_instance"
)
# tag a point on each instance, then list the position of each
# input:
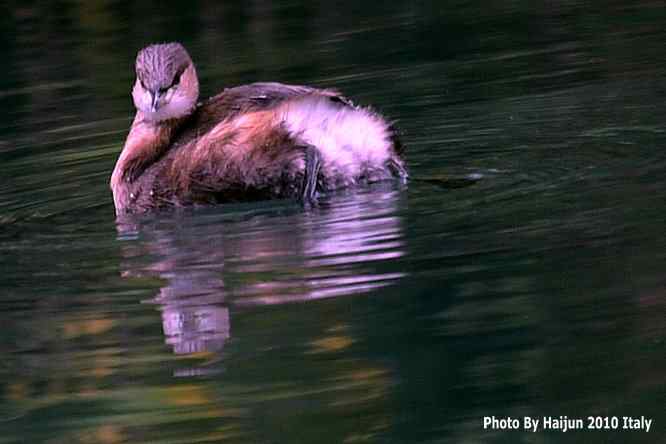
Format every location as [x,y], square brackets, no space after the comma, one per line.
[231,257]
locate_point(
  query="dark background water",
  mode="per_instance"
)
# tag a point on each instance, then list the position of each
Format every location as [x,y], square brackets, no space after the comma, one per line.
[388,314]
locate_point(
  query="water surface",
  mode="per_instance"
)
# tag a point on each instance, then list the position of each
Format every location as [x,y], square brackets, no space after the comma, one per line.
[386,314]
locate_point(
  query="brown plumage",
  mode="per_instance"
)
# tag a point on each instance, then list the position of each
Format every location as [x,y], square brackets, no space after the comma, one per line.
[258,141]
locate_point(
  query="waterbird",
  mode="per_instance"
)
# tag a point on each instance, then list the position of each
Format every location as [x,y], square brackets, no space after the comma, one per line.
[251,142]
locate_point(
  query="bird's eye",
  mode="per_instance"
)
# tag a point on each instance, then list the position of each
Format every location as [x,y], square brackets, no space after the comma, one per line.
[176,80]
[163,90]
[142,84]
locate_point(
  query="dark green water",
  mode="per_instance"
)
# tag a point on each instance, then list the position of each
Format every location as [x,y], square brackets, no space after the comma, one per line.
[386,315]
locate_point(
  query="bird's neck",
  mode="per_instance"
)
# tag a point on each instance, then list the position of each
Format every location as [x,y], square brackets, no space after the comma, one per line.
[146,142]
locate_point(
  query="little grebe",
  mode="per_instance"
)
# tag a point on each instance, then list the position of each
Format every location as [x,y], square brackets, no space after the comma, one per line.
[258,141]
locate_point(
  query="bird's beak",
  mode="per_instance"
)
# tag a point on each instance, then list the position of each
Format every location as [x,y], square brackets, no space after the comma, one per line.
[154,102]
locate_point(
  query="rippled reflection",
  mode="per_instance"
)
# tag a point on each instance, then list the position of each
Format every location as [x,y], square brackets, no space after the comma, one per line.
[215,260]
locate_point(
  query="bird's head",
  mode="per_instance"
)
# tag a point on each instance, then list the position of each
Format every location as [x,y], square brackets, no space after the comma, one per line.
[166,84]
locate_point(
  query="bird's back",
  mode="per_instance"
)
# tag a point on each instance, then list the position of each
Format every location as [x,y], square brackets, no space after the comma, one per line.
[245,99]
